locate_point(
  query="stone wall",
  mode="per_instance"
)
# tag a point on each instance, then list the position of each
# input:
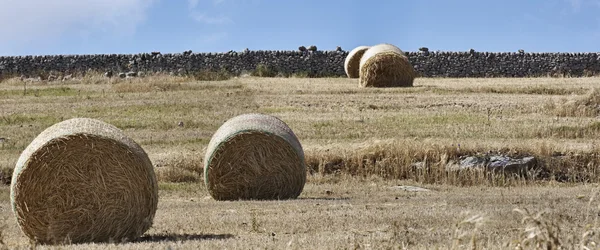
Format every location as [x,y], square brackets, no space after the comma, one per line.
[328,63]
[510,64]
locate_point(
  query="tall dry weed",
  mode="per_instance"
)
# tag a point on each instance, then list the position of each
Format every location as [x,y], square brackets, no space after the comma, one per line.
[586,106]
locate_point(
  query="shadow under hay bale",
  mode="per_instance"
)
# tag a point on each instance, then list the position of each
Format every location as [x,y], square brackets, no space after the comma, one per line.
[81,181]
[385,65]
[6,175]
[161,238]
[352,62]
[254,156]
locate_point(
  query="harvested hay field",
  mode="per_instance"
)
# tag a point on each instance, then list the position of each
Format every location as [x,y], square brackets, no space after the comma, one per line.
[362,147]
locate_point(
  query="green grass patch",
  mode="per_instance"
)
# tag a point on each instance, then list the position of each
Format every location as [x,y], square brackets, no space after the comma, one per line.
[149,112]
[322,124]
[132,123]
[212,75]
[21,119]
[591,130]
[42,92]
[197,141]
[277,109]
[125,87]
[528,90]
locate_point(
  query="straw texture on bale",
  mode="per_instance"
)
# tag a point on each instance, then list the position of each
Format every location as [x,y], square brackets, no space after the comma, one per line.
[254,157]
[385,65]
[352,62]
[81,181]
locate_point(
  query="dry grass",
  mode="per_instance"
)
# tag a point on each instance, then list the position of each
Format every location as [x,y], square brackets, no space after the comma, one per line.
[347,212]
[358,143]
[587,106]
[178,166]
[477,114]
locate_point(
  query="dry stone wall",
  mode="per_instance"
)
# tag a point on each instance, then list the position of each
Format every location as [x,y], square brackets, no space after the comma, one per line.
[327,63]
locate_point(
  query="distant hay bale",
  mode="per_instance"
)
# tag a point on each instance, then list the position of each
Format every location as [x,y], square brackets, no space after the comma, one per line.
[254,157]
[81,181]
[352,62]
[385,65]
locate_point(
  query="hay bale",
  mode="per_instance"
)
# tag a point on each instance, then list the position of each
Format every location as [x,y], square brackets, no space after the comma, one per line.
[82,180]
[352,62]
[385,65]
[254,156]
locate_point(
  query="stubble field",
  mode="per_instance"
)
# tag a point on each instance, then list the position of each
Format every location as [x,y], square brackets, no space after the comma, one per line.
[360,145]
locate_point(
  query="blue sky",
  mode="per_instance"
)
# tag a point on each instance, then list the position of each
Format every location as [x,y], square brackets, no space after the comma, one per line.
[35,27]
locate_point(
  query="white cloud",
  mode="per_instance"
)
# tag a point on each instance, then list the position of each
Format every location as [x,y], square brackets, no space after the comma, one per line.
[215,37]
[198,12]
[577,5]
[35,21]
[193,3]
[203,18]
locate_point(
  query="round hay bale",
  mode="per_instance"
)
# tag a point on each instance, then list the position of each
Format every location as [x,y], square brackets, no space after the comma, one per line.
[254,157]
[81,181]
[352,62]
[385,65]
